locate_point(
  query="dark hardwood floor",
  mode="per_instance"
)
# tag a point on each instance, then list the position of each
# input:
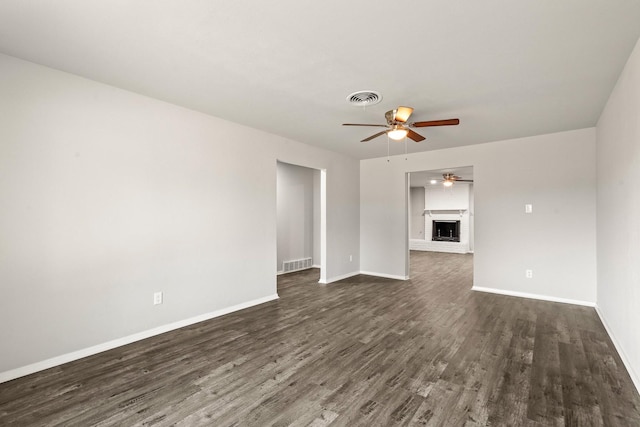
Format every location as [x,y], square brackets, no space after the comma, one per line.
[363,351]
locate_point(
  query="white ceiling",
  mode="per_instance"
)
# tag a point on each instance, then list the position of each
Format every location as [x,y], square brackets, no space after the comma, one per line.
[506,68]
[423,178]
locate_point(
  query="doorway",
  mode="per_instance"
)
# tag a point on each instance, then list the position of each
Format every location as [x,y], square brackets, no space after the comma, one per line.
[440,211]
[300,213]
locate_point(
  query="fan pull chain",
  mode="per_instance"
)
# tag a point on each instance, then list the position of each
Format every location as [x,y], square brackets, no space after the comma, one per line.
[388,147]
[405,147]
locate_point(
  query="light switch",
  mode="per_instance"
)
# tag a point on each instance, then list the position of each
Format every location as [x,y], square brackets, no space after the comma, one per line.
[528,208]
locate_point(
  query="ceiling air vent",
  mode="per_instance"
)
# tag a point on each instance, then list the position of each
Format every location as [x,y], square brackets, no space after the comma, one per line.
[364,98]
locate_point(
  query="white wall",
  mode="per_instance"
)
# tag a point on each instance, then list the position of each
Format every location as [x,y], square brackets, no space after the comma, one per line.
[439,197]
[295,212]
[556,173]
[108,196]
[618,169]
[471,218]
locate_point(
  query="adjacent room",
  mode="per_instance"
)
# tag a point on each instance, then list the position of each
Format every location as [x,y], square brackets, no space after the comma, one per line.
[441,206]
[300,213]
[338,213]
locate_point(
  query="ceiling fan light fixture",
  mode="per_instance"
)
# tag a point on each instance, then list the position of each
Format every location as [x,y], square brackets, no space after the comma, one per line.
[447,183]
[397,133]
[397,127]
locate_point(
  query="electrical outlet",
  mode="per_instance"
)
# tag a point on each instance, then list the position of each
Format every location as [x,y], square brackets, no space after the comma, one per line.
[157,298]
[528,274]
[350,258]
[528,208]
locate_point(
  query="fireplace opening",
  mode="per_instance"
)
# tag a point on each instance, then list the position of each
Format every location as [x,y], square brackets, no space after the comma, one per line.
[445,231]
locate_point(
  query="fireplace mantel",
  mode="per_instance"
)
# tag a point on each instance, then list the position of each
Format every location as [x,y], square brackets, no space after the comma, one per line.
[430,212]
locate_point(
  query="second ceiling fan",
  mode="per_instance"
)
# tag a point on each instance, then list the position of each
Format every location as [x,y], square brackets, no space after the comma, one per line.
[397,126]
[449,178]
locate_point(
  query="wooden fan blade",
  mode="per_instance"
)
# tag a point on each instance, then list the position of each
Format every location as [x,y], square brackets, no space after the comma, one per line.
[449,122]
[374,136]
[403,114]
[415,136]
[464,180]
[361,124]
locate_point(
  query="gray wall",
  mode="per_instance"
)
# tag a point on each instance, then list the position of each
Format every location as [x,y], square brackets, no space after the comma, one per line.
[295,212]
[416,203]
[108,196]
[556,173]
[317,255]
[618,149]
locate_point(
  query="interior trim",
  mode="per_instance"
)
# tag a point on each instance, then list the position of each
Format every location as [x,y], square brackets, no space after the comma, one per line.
[336,278]
[533,296]
[90,351]
[386,276]
[625,360]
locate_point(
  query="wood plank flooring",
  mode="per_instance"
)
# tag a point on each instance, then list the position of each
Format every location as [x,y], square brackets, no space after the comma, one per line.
[361,352]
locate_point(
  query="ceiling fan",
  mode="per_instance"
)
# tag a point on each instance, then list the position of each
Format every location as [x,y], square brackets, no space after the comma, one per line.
[448,179]
[398,127]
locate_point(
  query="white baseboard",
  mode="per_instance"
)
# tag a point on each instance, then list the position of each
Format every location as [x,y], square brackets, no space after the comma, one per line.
[280,273]
[90,351]
[341,277]
[368,273]
[386,276]
[533,296]
[625,360]
[316,266]
[634,377]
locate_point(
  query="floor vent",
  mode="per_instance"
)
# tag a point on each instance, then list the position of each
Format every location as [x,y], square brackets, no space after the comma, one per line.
[297,264]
